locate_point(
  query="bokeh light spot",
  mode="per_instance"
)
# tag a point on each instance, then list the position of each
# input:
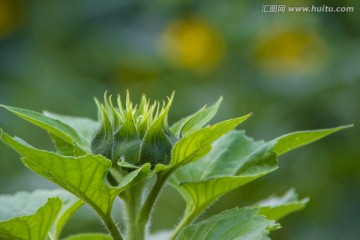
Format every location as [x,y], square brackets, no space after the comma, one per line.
[10,16]
[291,51]
[192,44]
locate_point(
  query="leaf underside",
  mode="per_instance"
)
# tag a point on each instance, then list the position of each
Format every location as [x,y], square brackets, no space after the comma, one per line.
[53,126]
[89,236]
[234,161]
[235,224]
[195,121]
[83,176]
[34,226]
[274,208]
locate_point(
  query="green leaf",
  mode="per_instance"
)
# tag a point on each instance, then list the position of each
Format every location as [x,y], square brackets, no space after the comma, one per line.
[70,206]
[35,225]
[203,193]
[228,166]
[274,208]
[234,224]
[85,127]
[196,121]
[200,119]
[79,124]
[294,140]
[191,147]
[53,126]
[62,147]
[234,161]
[83,176]
[89,236]
[24,203]
[134,177]
[176,127]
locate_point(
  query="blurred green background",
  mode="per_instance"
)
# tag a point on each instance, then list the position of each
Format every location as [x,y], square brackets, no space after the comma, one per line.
[295,71]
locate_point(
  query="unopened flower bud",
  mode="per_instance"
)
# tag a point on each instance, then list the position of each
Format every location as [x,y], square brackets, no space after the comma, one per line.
[102,139]
[127,141]
[133,135]
[158,141]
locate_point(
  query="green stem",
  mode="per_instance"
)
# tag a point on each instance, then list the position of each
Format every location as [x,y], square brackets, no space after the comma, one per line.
[189,217]
[132,199]
[108,221]
[186,220]
[144,214]
[112,228]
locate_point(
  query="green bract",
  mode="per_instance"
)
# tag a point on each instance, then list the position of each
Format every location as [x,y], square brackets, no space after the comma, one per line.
[133,135]
[118,156]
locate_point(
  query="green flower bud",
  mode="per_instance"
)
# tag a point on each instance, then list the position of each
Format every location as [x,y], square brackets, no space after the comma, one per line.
[143,116]
[112,113]
[158,141]
[102,139]
[132,136]
[127,141]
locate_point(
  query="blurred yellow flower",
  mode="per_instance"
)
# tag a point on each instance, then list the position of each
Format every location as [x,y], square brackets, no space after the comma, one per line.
[192,44]
[291,51]
[10,16]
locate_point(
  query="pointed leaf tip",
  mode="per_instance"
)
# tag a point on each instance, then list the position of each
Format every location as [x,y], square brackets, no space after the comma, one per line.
[51,125]
[275,207]
[197,144]
[195,121]
[298,139]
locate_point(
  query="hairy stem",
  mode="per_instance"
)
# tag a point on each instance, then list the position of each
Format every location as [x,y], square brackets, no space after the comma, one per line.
[144,214]
[189,217]
[132,199]
[112,228]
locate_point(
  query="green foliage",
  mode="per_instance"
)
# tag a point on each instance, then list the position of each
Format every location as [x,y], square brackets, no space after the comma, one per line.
[238,224]
[89,236]
[36,215]
[278,207]
[118,156]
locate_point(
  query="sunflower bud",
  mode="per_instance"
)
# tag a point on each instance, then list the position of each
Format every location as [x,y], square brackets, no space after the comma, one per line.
[133,135]
[127,141]
[102,140]
[158,141]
